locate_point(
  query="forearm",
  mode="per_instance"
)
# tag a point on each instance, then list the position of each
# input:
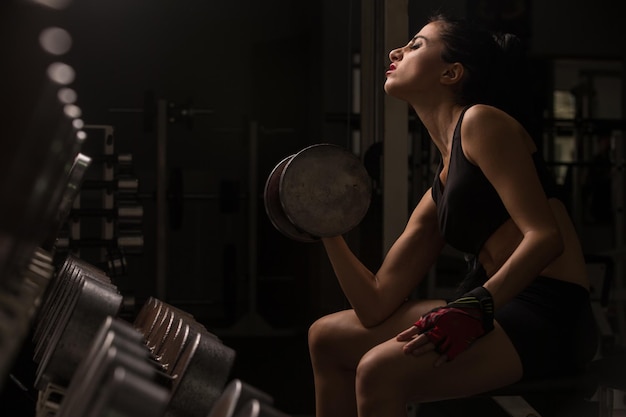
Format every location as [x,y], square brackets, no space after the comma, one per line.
[534,253]
[358,283]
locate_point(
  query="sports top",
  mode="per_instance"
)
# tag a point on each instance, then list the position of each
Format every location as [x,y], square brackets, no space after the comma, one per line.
[468,207]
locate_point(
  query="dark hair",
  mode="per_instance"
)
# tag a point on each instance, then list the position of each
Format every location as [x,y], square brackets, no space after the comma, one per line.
[494,64]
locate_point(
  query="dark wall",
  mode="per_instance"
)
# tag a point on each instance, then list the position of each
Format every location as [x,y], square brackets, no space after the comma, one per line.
[237,62]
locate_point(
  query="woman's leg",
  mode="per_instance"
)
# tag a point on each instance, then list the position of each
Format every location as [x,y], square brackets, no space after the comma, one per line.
[337,343]
[387,379]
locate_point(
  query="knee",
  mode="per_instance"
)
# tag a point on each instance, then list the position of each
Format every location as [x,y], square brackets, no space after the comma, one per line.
[322,335]
[374,387]
[370,376]
[380,383]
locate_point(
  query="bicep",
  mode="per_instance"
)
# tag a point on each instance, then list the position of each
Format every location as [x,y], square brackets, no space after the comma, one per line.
[414,252]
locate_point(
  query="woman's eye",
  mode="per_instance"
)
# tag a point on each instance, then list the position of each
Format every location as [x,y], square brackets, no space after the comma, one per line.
[415,45]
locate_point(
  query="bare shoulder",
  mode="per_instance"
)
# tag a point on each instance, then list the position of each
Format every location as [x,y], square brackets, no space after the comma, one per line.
[488,130]
[481,118]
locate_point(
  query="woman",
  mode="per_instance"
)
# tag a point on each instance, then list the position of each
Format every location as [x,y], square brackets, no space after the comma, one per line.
[523,310]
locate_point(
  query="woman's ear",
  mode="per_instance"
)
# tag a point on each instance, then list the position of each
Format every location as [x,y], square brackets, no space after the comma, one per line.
[452,74]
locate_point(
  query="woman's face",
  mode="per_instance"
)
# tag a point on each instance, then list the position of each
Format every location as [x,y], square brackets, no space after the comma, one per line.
[417,66]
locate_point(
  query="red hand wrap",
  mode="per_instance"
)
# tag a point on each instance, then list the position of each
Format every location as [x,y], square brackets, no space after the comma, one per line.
[451,330]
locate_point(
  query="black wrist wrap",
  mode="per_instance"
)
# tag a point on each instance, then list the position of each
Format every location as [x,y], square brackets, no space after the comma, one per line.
[483,296]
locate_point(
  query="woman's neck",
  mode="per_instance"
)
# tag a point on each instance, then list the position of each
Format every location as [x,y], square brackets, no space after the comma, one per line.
[440,121]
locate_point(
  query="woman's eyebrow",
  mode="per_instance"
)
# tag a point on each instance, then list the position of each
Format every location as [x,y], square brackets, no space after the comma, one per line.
[416,37]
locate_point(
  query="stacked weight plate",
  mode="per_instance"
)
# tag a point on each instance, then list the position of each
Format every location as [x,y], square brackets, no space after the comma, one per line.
[117,377]
[20,296]
[79,299]
[196,360]
[23,283]
[164,364]
[240,399]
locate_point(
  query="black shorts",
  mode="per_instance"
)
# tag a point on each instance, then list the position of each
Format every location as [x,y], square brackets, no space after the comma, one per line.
[550,323]
[552,327]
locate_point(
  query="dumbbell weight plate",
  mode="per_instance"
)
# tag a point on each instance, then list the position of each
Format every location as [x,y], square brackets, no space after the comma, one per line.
[274,208]
[325,190]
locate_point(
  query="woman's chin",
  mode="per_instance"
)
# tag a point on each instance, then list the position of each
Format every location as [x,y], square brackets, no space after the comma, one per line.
[393,91]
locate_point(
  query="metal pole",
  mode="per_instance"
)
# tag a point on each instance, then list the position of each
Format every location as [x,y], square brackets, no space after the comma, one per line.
[620,243]
[252,216]
[369,94]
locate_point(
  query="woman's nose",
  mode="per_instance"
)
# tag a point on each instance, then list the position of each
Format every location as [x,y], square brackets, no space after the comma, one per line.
[395,54]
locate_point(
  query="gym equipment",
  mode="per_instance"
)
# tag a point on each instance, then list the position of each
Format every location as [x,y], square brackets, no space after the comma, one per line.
[199,375]
[116,377]
[236,395]
[81,298]
[196,360]
[19,297]
[165,357]
[256,408]
[321,191]
[122,185]
[69,194]
[274,209]
[129,242]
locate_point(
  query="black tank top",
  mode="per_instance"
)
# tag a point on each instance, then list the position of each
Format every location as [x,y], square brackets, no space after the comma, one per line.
[469,208]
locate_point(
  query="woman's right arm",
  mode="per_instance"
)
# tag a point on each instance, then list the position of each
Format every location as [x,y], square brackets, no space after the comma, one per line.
[374,297]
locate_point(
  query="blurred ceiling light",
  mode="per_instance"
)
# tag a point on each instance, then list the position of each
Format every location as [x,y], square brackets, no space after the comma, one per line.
[78,123]
[67,95]
[55,40]
[54,4]
[61,73]
[71,110]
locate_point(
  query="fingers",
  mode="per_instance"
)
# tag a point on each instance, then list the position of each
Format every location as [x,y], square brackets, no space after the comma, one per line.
[421,345]
[418,346]
[408,334]
[416,343]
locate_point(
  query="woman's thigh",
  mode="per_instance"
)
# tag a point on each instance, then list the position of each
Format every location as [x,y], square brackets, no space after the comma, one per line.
[491,362]
[342,338]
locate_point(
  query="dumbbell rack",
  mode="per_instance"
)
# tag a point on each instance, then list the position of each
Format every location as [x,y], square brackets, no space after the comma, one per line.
[119,214]
[162,364]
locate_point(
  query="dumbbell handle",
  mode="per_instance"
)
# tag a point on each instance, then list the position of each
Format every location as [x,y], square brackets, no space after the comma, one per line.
[128,242]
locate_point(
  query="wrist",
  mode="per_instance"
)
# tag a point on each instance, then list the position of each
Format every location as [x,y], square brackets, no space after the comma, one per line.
[483,295]
[487,307]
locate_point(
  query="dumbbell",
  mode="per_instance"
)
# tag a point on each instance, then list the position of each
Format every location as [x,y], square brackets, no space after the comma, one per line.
[256,408]
[20,295]
[67,194]
[236,396]
[197,361]
[321,191]
[81,298]
[116,377]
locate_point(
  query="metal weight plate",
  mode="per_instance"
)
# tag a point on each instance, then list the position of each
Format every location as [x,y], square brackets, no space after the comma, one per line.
[199,375]
[235,396]
[325,190]
[274,208]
